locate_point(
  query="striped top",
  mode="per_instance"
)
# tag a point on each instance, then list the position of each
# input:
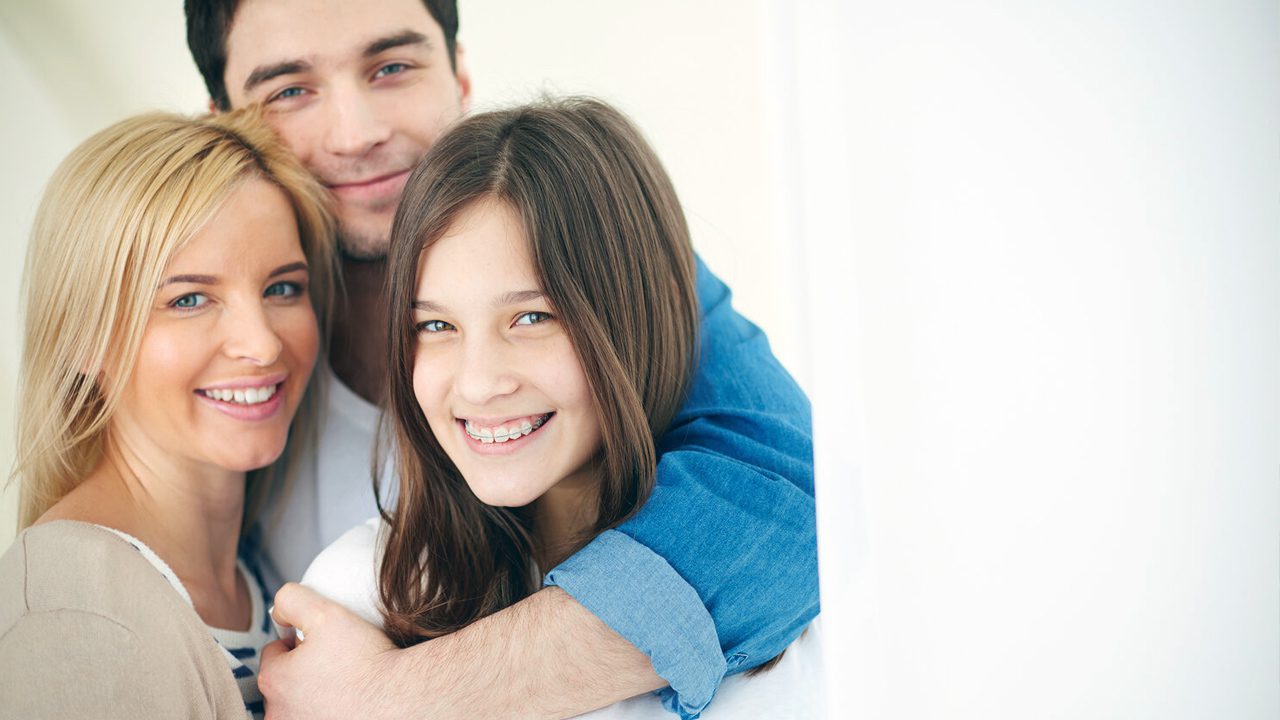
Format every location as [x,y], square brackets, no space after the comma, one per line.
[242,649]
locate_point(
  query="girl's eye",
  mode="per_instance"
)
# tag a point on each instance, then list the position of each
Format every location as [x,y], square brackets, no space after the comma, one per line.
[283,289]
[191,301]
[434,326]
[390,69]
[532,318]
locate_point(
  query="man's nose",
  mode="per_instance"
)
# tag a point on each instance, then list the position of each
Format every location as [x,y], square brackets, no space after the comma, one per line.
[355,125]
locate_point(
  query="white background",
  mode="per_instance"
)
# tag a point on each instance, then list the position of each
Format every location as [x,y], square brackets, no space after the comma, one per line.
[1024,256]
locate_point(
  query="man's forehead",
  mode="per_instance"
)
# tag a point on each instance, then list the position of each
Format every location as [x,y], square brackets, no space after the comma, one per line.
[269,32]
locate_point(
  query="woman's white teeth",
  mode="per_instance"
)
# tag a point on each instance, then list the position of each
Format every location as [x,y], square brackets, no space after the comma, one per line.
[502,433]
[244,396]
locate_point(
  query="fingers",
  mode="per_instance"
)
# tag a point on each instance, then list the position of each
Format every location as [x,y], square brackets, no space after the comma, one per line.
[269,672]
[271,651]
[300,607]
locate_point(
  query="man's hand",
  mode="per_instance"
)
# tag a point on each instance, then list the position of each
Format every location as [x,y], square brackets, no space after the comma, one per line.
[544,657]
[338,670]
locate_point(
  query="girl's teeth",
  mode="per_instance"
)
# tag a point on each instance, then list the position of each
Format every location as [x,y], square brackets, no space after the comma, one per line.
[501,434]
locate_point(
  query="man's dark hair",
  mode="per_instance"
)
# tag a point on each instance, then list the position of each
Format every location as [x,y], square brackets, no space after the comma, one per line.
[209,22]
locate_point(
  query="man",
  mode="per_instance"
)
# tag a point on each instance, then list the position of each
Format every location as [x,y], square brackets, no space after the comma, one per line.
[717,574]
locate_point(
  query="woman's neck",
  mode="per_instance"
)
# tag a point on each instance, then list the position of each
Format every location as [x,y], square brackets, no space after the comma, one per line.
[189,516]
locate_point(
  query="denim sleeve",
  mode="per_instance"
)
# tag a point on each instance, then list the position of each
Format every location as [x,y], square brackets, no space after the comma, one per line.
[718,572]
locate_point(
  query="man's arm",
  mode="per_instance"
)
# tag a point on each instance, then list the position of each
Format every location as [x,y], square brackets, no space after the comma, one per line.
[544,657]
[718,572]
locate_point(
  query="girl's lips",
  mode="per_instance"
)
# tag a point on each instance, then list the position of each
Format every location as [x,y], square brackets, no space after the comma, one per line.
[378,188]
[501,448]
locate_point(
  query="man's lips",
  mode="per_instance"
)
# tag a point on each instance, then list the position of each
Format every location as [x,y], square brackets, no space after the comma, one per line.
[375,188]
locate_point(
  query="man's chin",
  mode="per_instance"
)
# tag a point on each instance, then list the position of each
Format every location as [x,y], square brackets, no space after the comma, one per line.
[363,244]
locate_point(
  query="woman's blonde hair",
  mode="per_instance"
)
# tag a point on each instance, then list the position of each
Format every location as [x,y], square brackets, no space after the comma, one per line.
[114,214]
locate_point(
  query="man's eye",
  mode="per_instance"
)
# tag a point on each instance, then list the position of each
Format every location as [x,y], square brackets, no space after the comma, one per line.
[434,326]
[390,69]
[285,94]
[189,301]
[283,289]
[532,318]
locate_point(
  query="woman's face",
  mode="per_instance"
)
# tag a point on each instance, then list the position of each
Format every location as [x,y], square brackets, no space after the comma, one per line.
[495,374]
[230,342]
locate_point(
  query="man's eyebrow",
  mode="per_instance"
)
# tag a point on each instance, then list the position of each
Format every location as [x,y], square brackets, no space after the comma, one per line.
[263,73]
[193,279]
[291,267]
[400,39]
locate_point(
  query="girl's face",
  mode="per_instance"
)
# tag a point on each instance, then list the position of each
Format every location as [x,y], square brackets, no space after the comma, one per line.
[230,342]
[495,374]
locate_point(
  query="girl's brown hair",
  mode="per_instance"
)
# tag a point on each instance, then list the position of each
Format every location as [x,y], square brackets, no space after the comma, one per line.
[611,251]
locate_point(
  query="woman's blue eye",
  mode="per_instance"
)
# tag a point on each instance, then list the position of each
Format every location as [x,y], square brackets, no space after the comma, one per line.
[391,69]
[533,318]
[283,289]
[434,326]
[190,301]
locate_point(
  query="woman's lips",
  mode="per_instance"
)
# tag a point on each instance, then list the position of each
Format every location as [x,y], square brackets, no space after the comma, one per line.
[259,411]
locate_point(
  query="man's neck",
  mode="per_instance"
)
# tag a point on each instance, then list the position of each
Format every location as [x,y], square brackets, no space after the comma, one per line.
[358,351]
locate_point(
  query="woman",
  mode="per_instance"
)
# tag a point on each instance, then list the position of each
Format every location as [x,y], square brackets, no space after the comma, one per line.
[543,333]
[178,276]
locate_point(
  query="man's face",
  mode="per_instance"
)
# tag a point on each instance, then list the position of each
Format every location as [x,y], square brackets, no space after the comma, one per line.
[359,90]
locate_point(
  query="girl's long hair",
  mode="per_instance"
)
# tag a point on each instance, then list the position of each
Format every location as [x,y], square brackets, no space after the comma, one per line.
[612,252]
[115,212]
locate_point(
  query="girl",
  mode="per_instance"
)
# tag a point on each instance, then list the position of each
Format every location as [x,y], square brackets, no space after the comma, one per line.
[543,334]
[177,280]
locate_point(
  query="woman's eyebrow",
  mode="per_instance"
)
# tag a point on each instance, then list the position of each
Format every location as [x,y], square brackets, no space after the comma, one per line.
[194,279]
[213,279]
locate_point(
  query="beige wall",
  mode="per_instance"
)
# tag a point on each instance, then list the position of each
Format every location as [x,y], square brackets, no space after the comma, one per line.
[693,75]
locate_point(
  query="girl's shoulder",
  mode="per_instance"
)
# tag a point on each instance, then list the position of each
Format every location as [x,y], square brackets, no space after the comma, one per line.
[347,570]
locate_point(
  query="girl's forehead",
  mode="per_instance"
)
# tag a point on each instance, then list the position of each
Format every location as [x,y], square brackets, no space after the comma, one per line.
[484,251]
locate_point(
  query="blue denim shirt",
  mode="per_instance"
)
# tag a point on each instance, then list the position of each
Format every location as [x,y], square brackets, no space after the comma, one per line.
[718,572]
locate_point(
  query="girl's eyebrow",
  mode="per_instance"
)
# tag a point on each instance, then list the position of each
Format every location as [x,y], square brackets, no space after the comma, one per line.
[515,297]
[518,296]
[291,267]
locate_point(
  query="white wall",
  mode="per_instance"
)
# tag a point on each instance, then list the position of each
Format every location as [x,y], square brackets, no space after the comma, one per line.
[1061,297]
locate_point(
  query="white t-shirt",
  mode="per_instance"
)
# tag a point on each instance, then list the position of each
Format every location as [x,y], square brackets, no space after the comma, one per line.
[347,573]
[331,488]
